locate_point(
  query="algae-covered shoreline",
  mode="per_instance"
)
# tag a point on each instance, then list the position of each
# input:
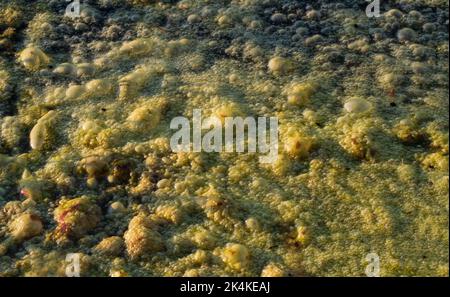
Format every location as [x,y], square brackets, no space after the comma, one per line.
[86,166]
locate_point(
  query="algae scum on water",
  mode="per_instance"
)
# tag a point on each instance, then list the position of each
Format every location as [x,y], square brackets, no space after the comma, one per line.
[86,166]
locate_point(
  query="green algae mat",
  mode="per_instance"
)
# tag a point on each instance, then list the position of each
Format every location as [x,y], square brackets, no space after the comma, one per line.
[92,185]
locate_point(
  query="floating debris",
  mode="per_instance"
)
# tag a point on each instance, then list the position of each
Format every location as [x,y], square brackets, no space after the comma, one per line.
[33,58]
[142,238]
[76,217]
[42,130]
[357,105]
[25,227]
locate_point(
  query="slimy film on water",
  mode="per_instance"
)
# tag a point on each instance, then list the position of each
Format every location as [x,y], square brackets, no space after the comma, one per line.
[239,138]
